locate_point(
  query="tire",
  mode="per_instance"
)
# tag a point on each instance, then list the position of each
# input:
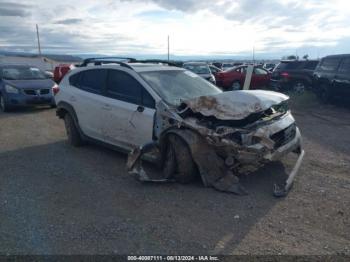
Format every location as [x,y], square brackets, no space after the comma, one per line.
[298,87]
[3,105]
[324,94]
[73,134]
[236,85]
[178,162]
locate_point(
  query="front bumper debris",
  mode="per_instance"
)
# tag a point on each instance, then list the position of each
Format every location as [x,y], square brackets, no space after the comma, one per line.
[282,191]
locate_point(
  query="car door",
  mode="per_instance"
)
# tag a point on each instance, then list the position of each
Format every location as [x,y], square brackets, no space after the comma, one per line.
[129,109]
[342,78]
[326,74]
[260,78]
[86,98]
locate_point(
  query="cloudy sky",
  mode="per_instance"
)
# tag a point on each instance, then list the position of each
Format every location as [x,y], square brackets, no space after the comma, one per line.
[217,28]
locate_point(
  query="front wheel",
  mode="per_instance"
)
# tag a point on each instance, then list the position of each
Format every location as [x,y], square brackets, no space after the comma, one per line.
[236,85]
[3,105]
[324,94]
[178,162]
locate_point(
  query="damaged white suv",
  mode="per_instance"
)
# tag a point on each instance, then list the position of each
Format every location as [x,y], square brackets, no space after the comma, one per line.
[179,120]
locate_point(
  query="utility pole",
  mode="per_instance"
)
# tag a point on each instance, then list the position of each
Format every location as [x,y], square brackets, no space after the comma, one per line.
[253,54]
[37,34]
[168,48]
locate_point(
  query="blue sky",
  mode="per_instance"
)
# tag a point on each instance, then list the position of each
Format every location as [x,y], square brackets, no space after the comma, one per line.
[222,28]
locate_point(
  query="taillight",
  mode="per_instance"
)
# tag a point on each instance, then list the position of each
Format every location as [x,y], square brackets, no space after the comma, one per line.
[55,89]
[285,74]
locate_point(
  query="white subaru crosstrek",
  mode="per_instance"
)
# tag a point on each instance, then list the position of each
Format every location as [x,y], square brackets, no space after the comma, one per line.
[188,125]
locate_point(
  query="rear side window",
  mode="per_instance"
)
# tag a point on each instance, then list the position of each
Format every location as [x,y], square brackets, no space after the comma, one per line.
[345,66]
[288,65]
[93,80]
[74,79]
[311,65]
[122,86]
[329,64]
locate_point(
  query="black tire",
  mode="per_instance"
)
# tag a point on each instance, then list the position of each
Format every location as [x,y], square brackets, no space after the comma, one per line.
[299,87]
[3,105]
[236,85]
[324,93]
[73,134]
[178,162]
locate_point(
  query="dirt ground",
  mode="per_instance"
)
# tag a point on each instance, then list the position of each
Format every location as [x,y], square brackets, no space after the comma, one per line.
[55,199]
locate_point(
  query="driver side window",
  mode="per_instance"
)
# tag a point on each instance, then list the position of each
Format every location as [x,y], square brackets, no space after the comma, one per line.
[122,86]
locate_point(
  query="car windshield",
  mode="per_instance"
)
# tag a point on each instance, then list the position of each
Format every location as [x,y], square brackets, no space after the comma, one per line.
[198,69]
[175,86]
[22,73]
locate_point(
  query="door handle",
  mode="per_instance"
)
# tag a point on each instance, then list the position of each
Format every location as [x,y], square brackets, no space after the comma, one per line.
[106,107]
[140,109]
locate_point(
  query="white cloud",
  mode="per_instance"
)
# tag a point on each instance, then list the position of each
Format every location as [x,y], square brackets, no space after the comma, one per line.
[196,27]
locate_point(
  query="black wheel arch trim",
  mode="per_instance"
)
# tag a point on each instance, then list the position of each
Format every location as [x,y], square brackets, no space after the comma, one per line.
[63,108]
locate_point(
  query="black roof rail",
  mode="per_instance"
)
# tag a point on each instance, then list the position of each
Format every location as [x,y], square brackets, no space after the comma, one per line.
[108,60]
[155,61]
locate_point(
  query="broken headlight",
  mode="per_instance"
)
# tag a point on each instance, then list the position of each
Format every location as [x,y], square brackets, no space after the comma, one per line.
[281,108]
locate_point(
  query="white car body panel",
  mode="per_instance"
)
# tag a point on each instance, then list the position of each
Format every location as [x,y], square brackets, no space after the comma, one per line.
[89,109]
[124,126]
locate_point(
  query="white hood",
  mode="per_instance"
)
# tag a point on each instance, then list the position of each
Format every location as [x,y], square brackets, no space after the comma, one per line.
[235,105]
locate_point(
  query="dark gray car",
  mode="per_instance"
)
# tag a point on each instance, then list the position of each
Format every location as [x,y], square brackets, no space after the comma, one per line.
[202,69]
[23,85]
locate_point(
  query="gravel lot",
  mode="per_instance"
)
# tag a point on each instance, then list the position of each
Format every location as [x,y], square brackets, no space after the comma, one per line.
[55,199]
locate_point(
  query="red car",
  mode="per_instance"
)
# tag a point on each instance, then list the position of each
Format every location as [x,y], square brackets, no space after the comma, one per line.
[60,71]
[233,79]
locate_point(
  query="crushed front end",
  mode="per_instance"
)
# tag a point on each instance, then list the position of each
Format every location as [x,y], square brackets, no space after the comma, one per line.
[229,134]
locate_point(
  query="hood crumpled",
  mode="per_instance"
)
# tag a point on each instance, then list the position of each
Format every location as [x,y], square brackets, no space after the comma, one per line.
[235,105]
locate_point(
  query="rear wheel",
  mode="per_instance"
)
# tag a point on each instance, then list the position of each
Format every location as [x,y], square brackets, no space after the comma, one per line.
[178,161]
[73,135]
[298,87]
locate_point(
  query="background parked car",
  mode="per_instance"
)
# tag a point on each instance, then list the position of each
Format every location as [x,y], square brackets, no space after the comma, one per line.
[234,79]
[226,66]
[60,71]
[202,69]
[214,70]
[332,77]
[293,75]
[22,85]
[217,64]
[269,66]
